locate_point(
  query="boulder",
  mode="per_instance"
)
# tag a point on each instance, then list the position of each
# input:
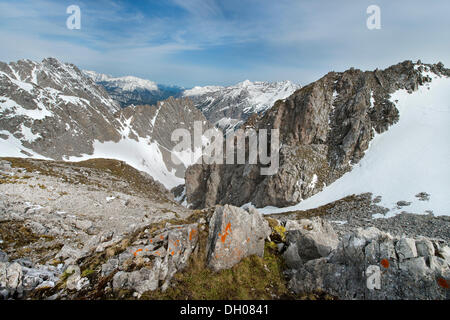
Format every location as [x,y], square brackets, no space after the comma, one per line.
[74,278]
[233,235]
[425,247]
[68,254]
[313,238]
[406,248]
[167,253]
[14,277]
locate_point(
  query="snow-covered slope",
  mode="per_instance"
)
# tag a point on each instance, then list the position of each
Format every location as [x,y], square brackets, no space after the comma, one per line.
[411,157]
[127,83]
[130,90]
[228,107]
[52,110]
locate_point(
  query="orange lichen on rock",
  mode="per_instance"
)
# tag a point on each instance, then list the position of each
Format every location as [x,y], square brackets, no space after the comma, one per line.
[385,263]
[192,234]
[223,237]
[443,283]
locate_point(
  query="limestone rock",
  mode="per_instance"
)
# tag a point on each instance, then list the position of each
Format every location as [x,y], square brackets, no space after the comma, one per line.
[314,238]
[233,235]
[406,248]
[324,128]
[168,252]
[368,264]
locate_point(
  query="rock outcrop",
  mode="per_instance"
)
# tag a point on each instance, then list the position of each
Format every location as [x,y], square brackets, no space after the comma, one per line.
[325,127]
[166,253]
[369,264]
[20,277]
[233,235]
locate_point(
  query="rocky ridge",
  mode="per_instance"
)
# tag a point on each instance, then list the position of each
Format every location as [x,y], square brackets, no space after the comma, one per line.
[229,107]
[325,128]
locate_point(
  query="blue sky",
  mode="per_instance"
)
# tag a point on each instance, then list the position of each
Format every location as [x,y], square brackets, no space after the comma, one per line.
[212,42]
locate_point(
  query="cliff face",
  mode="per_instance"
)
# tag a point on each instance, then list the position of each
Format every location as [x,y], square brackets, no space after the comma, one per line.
[325,128]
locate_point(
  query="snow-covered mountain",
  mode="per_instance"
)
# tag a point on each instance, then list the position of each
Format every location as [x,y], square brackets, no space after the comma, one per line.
[53,110]
[383,132]
[228,107]
[130,90]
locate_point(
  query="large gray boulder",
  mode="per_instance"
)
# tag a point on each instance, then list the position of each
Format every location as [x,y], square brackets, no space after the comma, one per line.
[234,234]
[313,238]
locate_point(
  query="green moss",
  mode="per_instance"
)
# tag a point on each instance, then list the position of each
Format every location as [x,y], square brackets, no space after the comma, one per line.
[65,276]
[252,278]
[279,233]
[87,273]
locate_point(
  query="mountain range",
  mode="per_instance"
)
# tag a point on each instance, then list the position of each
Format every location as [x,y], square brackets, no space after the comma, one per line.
[329,130]
[229,107]
[93,207]
[225,107]
[130,90]
[382,132]
[52,110]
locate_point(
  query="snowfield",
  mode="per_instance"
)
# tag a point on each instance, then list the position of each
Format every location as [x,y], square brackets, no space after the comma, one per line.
[142,155]
[413,156]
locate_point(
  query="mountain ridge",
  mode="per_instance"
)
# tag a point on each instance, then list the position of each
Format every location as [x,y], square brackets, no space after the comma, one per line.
[54,111]
[325,129]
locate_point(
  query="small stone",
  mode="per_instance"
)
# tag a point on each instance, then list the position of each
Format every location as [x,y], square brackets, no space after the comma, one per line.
[83,224]
[14,276]
[82,284]
[72,280]
[3,256]
[403,203]
[4,294]
[120,280]
[424,247]
[46,285]
[438,265]
[406,248]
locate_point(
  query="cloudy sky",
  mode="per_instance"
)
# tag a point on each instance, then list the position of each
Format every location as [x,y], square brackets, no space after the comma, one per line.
[221,42]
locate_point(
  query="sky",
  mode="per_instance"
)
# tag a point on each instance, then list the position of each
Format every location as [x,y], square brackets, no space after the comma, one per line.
[212,42]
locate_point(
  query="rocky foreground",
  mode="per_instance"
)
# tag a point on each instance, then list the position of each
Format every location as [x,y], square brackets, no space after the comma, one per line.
[102,230]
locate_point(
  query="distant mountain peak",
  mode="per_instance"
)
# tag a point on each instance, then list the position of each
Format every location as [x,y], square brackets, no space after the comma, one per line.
[126,83]
[129,90]
[228,107]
